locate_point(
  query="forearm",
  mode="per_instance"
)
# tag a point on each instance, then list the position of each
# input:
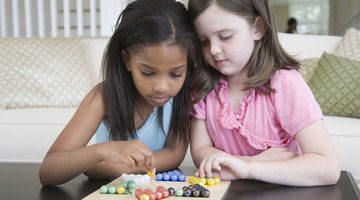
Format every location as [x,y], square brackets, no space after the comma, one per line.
[106,170]
[168,159]
[165,159]
[60,167]
[306,170]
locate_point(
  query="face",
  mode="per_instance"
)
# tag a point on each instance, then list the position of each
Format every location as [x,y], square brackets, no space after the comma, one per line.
[158,72]
[227,40]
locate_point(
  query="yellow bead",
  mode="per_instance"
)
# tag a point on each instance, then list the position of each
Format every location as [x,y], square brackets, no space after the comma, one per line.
[150,173]
[201,183]
[202,180]
[192,180]
[210,182]
[120,189]
[217,180]
[144,197]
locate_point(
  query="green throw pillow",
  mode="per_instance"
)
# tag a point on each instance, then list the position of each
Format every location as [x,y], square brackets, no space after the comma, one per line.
[307,68]
[336,86]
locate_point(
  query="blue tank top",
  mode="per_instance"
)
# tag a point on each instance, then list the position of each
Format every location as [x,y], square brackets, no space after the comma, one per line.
[150,133]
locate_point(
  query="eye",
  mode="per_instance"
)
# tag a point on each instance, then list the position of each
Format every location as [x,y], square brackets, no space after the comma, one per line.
[225,36]
[177,74]
[147,74]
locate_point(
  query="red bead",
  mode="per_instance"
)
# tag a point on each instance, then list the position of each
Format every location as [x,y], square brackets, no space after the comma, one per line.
[138,192]
[159,195]
[160,188]
[165,193]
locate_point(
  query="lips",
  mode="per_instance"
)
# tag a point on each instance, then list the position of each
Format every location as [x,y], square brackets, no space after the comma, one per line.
[219,62]
[160,100]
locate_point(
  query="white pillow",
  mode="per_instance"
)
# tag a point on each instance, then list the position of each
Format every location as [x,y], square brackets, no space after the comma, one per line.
[349,47]
[42,72]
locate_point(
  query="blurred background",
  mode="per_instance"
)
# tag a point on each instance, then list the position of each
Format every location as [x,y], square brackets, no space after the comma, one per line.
[322,17]
[29,18]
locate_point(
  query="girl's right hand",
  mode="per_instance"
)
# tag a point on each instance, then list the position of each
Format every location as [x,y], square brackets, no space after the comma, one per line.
[132,153]
[227,166]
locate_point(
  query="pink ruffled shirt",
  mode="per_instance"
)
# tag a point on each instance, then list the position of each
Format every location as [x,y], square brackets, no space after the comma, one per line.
[261,121]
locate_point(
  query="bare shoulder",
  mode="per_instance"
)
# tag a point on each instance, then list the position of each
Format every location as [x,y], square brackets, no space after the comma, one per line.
[92,109]
[95,95]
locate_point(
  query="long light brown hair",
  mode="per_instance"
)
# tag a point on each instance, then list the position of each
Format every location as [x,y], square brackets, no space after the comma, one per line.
[268,55]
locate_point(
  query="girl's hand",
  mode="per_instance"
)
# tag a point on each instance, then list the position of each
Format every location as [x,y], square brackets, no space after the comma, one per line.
[225,165]
[274,154]
[224,174]
[132,153]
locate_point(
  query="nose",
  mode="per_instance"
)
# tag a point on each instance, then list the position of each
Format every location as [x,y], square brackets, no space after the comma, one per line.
[161,85]
[215,48]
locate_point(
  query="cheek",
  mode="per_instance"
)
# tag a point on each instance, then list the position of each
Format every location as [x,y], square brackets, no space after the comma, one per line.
[141,83]
[177,85]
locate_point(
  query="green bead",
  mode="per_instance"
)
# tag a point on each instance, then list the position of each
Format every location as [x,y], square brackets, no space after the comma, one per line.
[104,189]
[112,190]
[131,185]
[179,192]
[124,183]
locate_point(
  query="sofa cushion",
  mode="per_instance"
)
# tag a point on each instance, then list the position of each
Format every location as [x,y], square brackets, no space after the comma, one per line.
[345,135]
[36,116]
[42,72]
[28,133]
[349,46]
[308,46]
[94,49]
[336,86]
[307,67]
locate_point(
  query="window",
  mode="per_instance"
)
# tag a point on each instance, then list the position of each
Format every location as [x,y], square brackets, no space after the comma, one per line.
[312,16]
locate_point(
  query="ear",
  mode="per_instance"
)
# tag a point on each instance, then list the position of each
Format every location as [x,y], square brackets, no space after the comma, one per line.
[259,28]
[125,57]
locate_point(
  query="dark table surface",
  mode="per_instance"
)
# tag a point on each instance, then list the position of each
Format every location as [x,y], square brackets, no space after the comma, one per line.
[21,181]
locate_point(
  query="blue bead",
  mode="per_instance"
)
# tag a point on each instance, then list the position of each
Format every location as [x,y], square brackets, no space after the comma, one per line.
[159,177]
[182,177]
[174,177]
[166,177]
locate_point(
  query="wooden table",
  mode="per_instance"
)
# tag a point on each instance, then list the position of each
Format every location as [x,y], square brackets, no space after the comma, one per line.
[21,181]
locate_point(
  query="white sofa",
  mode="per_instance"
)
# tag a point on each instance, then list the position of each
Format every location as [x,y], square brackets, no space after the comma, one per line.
[26,134]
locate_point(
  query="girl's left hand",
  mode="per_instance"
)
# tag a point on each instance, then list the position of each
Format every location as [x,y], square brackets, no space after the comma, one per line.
[227,166]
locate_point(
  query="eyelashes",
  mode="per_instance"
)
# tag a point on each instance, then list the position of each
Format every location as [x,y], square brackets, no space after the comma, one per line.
[221,38]
[152,74]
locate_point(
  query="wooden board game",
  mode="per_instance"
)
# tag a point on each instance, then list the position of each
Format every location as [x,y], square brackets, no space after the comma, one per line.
[216,191]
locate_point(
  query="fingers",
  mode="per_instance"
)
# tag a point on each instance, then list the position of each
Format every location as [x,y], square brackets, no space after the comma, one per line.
[150,164]
[131,153]
[143,149]
[143,156]
[209,165]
